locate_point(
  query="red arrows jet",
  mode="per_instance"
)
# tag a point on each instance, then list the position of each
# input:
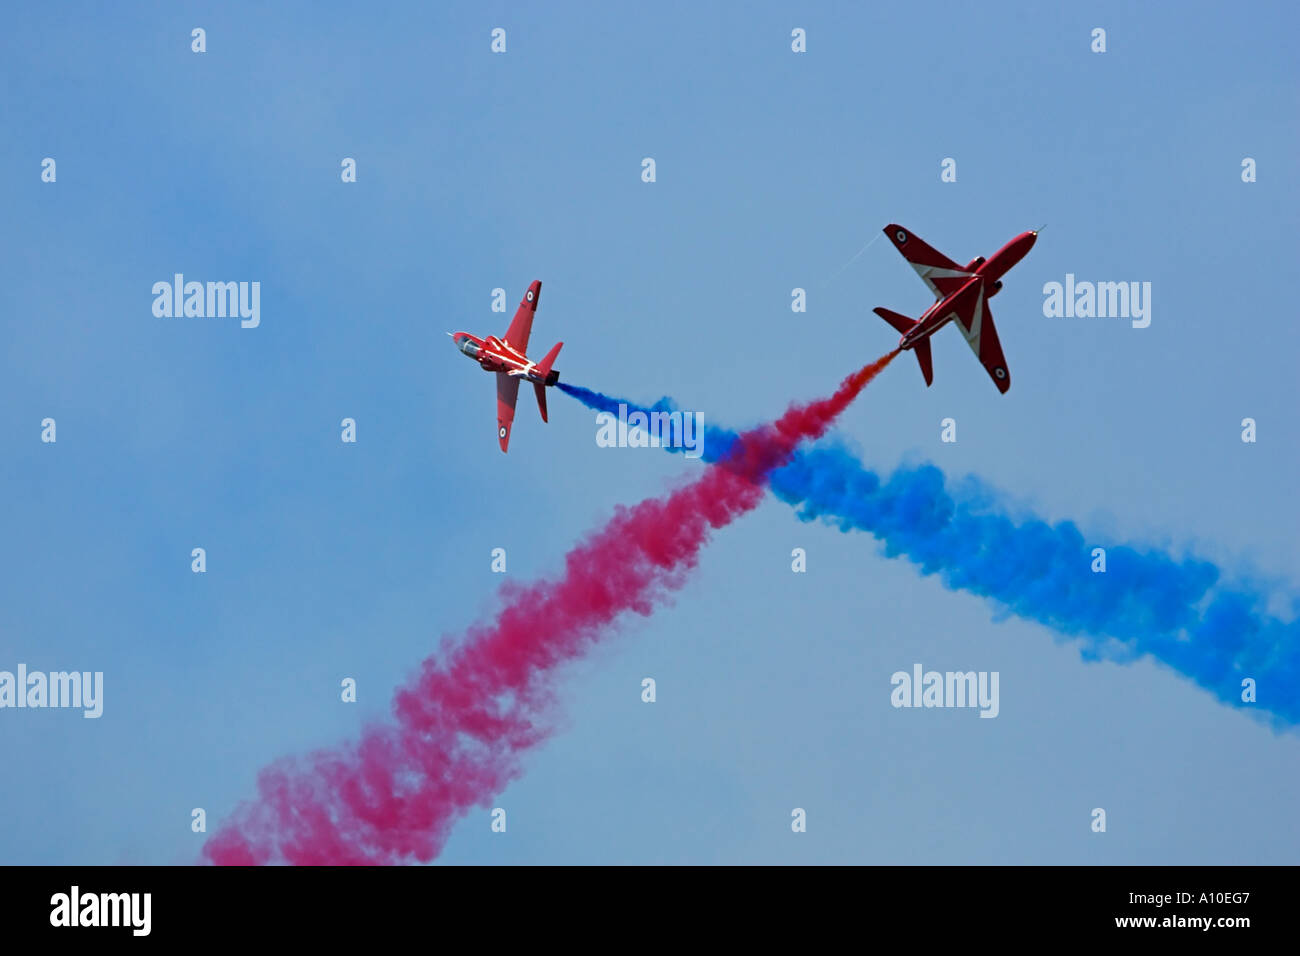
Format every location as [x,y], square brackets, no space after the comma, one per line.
[506,358]
[962,293]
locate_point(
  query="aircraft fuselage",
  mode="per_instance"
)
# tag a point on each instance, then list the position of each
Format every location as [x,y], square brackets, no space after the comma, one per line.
[494,355]
[985,280]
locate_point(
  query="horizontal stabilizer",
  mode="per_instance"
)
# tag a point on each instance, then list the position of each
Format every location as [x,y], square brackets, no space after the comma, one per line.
[900,322]
[541,399]
[922,350]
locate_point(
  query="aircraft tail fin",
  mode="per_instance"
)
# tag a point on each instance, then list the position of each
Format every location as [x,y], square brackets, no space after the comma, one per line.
[922,350]
[541,399]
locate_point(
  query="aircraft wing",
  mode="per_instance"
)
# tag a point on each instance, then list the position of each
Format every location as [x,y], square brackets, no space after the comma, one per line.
[507,392]
[936,270]
[976,323]
[521,326]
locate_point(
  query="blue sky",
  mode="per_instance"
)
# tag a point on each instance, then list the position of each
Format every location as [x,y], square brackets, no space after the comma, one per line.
[478,171]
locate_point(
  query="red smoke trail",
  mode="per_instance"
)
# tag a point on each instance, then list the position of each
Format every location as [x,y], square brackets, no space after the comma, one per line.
[476,706]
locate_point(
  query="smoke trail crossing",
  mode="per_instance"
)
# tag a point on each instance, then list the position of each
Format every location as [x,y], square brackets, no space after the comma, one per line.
[1148,602]
[464,722]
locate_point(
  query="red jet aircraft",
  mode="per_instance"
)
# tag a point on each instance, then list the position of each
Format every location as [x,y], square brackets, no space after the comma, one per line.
[962,293]
[505,357]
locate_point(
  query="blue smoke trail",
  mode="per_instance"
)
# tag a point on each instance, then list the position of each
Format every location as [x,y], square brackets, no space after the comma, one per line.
[1147,602]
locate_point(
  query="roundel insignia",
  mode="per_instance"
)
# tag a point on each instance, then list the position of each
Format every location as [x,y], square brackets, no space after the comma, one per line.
[502,431]
[1000,372]
[901,236]
[530,295]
